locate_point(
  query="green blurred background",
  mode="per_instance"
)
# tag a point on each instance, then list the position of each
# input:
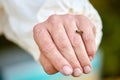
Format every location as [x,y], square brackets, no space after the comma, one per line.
[110,14]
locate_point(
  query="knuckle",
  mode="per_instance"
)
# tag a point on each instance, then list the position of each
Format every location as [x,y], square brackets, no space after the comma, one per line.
[75,42]
[88,39]
[81,16]
[55,21]
[69,17]
[53,18]
[37,28]
[74,62]
[63,46]
[84,18]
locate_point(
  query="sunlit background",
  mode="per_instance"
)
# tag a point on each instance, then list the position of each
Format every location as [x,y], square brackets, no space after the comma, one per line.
[110,46]
[110,13]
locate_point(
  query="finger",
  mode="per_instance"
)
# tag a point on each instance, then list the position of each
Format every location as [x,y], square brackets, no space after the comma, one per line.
[78,46]
[45,43]
[88,35]
[48,67]
[62,42]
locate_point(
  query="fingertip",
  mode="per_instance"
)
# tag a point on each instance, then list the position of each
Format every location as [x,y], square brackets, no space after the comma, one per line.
[87,69]
[77,72]
[67,70]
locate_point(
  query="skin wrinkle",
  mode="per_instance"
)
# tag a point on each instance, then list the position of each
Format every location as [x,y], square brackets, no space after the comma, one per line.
[70,49]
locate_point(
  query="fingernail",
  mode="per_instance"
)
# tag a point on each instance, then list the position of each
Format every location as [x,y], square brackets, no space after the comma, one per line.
[87,69]
[67,70]
[77,72]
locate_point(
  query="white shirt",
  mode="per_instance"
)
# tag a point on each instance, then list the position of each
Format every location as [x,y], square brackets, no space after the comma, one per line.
[18,17]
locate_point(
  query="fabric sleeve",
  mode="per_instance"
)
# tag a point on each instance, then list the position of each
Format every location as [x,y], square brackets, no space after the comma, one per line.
[22,15]
[3,19]
[83,7]
[18,22]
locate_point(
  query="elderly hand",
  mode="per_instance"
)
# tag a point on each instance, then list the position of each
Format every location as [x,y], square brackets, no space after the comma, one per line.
[62,48]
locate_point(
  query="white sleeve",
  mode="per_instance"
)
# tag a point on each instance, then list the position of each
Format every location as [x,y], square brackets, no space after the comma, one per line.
[83,7]
[17,25]
[22,16]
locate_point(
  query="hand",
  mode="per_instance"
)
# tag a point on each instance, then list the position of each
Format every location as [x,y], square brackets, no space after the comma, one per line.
[62,49]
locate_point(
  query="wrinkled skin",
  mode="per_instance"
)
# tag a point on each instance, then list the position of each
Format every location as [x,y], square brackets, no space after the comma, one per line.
[62,49]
